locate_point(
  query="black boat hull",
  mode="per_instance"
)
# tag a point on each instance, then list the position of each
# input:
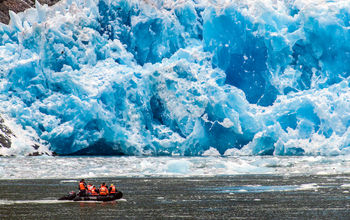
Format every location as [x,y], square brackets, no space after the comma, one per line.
[75,197]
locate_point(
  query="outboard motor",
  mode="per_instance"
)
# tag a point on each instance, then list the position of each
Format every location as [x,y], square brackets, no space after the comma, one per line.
[70,196]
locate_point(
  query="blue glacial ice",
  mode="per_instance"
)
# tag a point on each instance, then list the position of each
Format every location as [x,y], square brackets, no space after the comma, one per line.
[251,77]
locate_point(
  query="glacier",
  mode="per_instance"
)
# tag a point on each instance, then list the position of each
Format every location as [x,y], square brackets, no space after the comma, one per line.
[132,77]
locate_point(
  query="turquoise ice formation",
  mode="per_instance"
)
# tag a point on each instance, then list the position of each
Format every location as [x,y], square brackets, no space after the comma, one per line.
[241,77]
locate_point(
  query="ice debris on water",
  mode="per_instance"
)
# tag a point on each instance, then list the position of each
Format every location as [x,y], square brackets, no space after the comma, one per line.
[251,77]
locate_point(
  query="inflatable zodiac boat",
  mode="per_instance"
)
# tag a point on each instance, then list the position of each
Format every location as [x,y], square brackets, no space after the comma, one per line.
[75,197]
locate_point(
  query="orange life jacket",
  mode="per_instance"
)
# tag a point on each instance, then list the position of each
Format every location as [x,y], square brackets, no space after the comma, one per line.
[82,186]
[112,189]
[103,191]
[93,192]
[89,188]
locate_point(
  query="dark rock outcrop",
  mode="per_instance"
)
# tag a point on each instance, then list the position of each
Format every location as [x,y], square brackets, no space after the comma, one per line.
[5,134]
[18,6]
[8,138]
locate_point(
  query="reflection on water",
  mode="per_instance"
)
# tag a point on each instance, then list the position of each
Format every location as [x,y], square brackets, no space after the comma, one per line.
[97,203]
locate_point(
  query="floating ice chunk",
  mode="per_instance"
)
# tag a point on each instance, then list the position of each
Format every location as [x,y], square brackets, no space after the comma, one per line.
[178,166]
[211,152]
[345,186]
[308,186]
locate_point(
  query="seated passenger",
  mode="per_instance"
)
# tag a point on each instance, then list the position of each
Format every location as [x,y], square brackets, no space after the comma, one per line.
[94,191]
[112,189]
[82,188]
[103,190]
[89,188]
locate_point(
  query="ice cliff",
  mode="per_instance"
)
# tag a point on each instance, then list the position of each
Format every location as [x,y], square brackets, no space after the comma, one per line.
[245,77]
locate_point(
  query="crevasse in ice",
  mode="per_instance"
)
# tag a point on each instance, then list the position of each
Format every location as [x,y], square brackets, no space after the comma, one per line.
[251,77]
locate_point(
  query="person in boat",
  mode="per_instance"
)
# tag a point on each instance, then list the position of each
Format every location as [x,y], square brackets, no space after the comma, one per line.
[82,188]
[103,191]
[89,188]
[94,191]
[112,189]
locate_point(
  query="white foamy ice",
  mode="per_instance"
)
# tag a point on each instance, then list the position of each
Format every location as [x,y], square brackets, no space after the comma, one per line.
[73,168]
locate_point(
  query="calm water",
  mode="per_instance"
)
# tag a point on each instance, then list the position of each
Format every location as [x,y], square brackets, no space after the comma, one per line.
[234,197]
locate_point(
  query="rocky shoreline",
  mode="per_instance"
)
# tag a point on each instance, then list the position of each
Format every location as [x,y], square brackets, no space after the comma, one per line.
[18,6]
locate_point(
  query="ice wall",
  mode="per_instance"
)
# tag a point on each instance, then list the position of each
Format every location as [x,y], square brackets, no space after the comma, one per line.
[131,77]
